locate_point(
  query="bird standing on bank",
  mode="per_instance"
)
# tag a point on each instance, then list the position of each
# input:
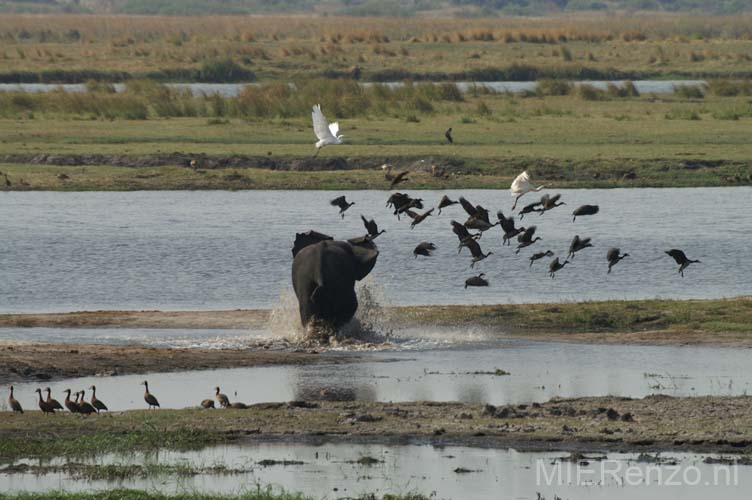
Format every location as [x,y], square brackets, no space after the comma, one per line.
[84,407]
[342,204]
[52,402]
[448,135]
[43,405]
[522,185]
[325,133]
[96,402]
[71,405]
[149,397]
[222,399]
[681,259]
[613,258]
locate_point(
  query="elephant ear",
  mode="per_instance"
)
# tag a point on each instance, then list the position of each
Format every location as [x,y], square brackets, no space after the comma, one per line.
[365,259]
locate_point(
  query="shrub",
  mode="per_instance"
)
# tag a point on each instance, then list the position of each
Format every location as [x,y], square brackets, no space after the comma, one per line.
[223,70]
[553,87]
[589,93]
[689,91]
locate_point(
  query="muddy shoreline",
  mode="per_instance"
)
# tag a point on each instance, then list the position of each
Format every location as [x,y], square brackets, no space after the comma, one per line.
[713,424]
[28,361]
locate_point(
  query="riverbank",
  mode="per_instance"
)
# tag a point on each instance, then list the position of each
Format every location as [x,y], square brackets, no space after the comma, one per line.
[658,423]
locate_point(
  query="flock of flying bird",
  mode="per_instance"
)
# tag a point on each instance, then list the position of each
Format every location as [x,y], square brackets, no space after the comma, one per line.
[479,217]
[94,405]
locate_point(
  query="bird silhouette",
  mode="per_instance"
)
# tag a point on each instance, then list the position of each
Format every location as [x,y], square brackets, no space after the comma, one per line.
[463,234]
[325,133]
[529,208]
[549,203]
[555,266]
[681,259]
[521,185]
[418,218]
[476,281]
[476,252]
[507,225]
[577,245]
[540,255]
[424,248]
[342,203]
[526,238]
[585,210]
[445,202]
[613,257]
[448,135]
[372,228]
[394,179]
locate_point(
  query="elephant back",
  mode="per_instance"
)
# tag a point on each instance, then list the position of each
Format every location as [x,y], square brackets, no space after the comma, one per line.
[303,240]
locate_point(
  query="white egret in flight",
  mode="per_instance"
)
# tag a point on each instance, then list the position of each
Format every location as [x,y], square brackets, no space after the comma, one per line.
[522,185]
[325,132]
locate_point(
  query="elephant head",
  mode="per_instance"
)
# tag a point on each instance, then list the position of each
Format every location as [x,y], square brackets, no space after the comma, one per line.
[324,272]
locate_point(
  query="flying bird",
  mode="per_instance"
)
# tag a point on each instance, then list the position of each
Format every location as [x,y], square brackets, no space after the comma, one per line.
[463,234]
[681,259]
[549,202]
[372,228]
[526,238]
[521,185]
[424,248]
[325,132]
[342,203]
[476,251]
[418,218]
[394,179]
[540,255]
[585,210]
[476,281]
[613,257]
[556,266]
[507,225]
[448,135]
[529,208]
[577,245]
[446,202]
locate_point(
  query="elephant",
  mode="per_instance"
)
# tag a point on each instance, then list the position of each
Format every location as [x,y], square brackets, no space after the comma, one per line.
[324,272]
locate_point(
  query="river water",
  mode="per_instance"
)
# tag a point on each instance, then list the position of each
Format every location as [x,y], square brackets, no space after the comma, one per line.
[224,250]
[233,89]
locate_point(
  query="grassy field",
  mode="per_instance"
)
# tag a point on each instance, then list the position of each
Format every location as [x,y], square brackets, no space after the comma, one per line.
[64,48]
[566,141]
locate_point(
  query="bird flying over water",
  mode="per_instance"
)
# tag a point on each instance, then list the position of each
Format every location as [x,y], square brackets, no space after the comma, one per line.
[521,185]
[525,239]
[371,227]
[585,210]
[613,257]
[445,202]
[577,245]
[507,225]
[681,259]
[540,255]
[424,248]
[342,203]
[326,133]
[556,266]
[549,202]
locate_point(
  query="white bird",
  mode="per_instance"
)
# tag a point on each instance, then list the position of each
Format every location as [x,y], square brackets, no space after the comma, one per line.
[521,186]
[325,132]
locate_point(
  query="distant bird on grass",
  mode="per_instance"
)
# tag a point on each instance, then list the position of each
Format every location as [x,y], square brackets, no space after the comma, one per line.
[342,203]
[613,257]
[522,185]
[448,135]
[556,266]
[681,259]
[97,403]
[7,181]
[13,402]
[425,249]
[526,238]
[540,255]
[577,245]
[325,133]
[54,403]
[222,399]
[446,202]
[585,210]
[372,228]
[476,281]
[149,397]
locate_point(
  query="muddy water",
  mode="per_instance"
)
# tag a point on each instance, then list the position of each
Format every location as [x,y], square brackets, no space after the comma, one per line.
[332,471]
[226,250]
[437,366]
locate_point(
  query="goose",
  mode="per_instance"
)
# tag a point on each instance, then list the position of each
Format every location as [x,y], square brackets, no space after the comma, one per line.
[463,234]
[424,248]
[476,281]
[418,218]
[613,258]
[54,404]
[372,228]
[540,255]
[207,403]
[477,253]
[585,210]
[13,402]
[526,238]
[507,225]
[448,135]
[96,402]
[556,266]
[577,245]
[71,405]
[549,203]
[342,204]
[44,405]
[521,185]
[681,259]
[149,397]
[528,209]
[222,399]
[445,202]
[84,407]
[392,178]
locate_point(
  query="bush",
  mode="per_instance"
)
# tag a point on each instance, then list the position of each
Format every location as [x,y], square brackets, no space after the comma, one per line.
[589,93]
[729,88]
[450,92]
[223,70]
[553,87]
